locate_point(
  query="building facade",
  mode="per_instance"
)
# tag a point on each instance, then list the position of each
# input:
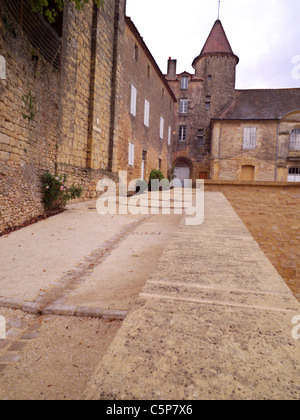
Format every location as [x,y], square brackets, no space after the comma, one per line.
[256,137]
[85,99]
[147,111]
[227,134]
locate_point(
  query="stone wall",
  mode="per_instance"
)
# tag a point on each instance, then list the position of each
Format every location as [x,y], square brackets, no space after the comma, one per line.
[189,150]
[271,213]
[66,121]
[29,98]
[228,155]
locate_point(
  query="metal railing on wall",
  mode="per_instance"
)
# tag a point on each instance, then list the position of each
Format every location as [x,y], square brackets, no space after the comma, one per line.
[38,31]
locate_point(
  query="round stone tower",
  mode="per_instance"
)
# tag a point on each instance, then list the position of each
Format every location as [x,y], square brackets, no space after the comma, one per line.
[216,65]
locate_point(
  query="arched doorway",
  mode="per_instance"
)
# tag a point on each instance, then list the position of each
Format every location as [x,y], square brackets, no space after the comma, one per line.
[182,169]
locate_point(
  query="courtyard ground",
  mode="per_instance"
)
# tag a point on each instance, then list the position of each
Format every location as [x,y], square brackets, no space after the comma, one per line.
[144,307]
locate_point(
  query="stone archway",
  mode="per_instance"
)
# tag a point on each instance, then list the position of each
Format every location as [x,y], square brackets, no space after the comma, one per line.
[183,169]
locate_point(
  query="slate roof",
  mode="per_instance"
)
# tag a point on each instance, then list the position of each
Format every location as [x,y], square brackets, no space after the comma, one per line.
[261,104]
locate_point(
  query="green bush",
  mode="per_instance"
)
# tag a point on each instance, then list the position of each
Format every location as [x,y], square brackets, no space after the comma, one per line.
[158,175]
[56,192]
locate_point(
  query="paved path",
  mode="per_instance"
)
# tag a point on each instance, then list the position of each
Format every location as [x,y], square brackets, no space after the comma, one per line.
[213,321]
[81,263]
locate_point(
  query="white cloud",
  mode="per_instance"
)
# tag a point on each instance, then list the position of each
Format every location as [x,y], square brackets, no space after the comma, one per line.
[265,34]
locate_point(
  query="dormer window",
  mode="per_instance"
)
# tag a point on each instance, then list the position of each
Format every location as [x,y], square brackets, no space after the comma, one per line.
[184,82]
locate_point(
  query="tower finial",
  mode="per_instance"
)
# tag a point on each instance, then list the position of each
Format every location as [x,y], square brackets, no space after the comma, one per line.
[219,6]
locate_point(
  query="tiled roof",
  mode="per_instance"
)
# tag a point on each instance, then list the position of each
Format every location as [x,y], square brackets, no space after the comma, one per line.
[217,43]
[261,104]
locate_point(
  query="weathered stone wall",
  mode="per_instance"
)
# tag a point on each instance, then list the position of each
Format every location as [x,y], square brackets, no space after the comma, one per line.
[189,150]
[65,121]
[271,213]
[90,105]
[29,97]
[228,155]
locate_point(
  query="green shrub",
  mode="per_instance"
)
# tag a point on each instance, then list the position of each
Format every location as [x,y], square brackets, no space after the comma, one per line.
[159,176]
[56,192]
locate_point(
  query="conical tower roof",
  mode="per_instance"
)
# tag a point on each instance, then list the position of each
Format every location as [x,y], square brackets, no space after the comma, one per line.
[216,44]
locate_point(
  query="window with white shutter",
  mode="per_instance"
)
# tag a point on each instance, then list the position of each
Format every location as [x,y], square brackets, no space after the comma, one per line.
[295,139]
[147,113]
[169,136]
[131,154]
[162,125]
[133,101]
[183,106]
[184,82]
[249,140]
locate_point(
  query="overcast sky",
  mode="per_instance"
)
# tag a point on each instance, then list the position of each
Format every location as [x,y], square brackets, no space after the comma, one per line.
[264,34]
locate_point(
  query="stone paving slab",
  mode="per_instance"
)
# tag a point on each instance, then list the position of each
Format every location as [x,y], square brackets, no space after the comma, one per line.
[34,258]
[214,321]
[117,282]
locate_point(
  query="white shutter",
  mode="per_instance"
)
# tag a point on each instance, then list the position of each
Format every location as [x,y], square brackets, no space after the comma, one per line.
[162,123]
[249,141]
[133,100]
[169,136]
[184,82]
[131,154]
[147,113]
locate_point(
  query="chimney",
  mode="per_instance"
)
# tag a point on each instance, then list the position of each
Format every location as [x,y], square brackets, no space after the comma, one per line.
[172,64]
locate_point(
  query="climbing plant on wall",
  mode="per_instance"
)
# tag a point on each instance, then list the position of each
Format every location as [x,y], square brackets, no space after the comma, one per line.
[51,8]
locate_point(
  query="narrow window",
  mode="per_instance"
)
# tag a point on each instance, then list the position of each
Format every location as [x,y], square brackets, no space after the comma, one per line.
[200,138]
[161,131]
[148,71]
[249,140]
[143,166]
[295,139]
[133,101]
[136,53]
[159,164]
[147,113]
[183,106]
[207,102]
[182,133]
[162,93]
[209,78]
[184,82]
[2,68]
[131,154]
